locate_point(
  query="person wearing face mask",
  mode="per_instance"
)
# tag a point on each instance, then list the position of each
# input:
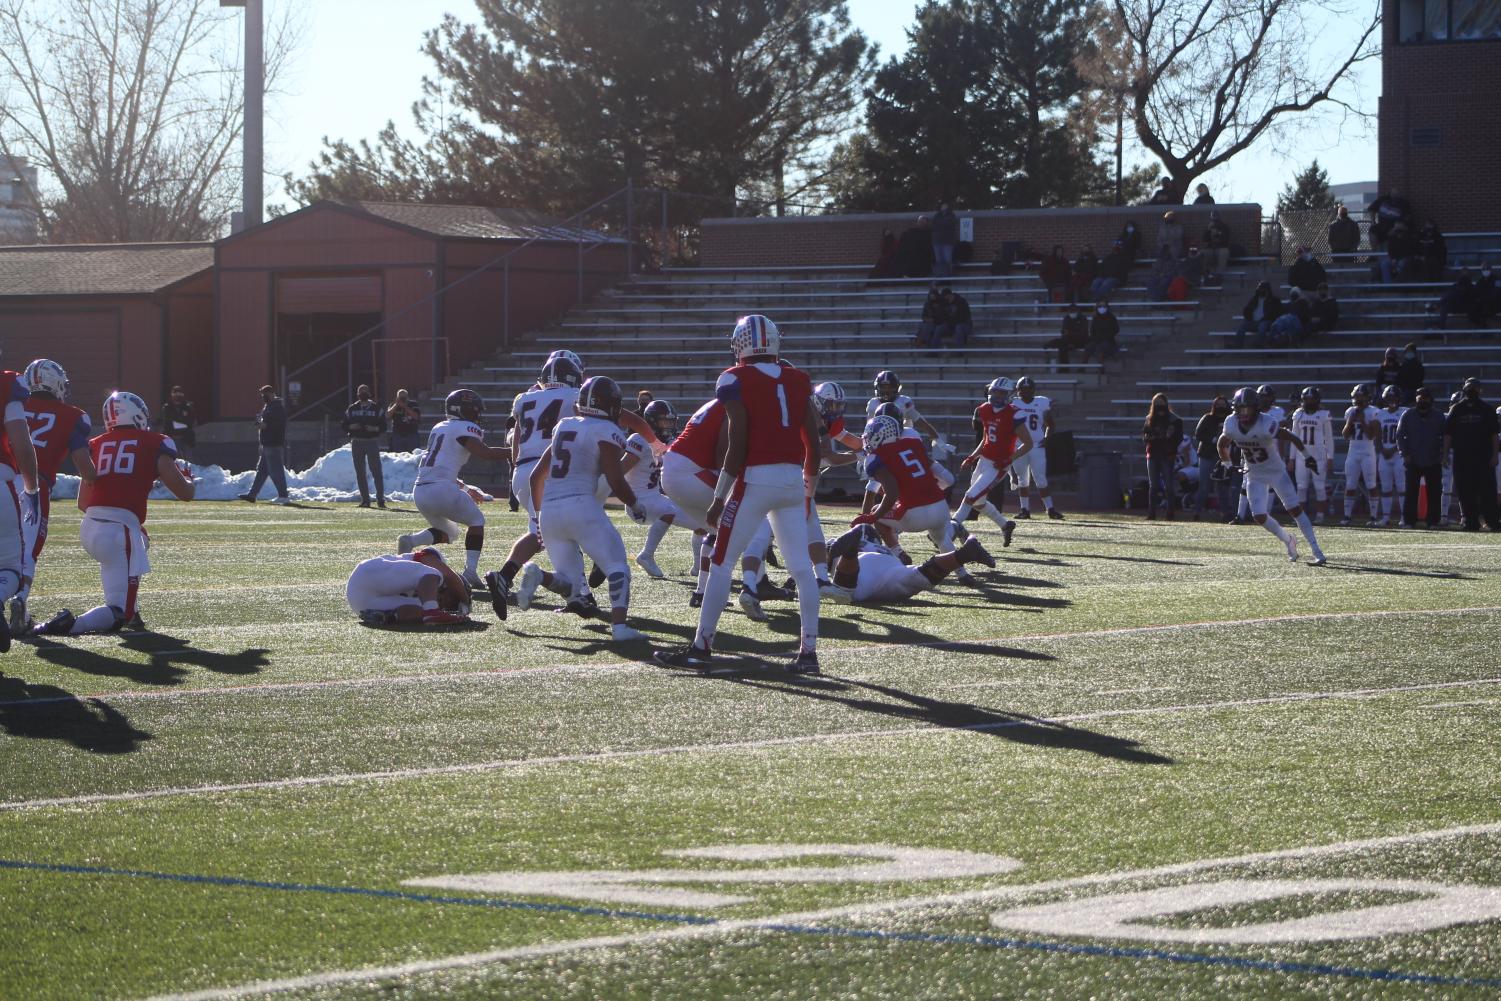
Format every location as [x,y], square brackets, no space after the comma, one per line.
[1386,375]
[1130,240]
[1420,442]
[1457,298]
[1410,373]
[1104,327]
[1306,272]
[1260,312]
[1470,443]
[1433,252]
[1487,296]
[1206,438]
[1073,336]
[1325,311]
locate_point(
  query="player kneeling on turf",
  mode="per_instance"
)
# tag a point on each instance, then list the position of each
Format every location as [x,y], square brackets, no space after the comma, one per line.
[867,572]
[564,488]
[128,460]
[414,588]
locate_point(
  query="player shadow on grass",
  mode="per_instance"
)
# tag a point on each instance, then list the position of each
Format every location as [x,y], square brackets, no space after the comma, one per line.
[1115,559]
[1395,572]
[1019,728]
[169,658]
[45,712]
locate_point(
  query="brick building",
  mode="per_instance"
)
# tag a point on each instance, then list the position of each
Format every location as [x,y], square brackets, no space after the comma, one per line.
[1440,136]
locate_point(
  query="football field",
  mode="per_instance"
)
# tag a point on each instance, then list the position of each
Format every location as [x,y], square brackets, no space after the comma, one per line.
[1138,760]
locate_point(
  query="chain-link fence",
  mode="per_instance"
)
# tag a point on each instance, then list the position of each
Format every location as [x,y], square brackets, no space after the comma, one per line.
[1289,231]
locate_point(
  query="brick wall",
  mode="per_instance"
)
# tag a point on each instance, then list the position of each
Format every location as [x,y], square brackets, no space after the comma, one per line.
[1448,92]
[856,239]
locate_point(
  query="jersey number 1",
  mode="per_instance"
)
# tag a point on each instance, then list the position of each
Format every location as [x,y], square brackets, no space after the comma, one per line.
[782,399]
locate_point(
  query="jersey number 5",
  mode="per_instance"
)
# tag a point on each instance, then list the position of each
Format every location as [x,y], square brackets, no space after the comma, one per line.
[563,458]
[912,462]
[120,460]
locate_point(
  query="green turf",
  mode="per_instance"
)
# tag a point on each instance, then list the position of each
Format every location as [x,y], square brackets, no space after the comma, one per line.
[1032,718]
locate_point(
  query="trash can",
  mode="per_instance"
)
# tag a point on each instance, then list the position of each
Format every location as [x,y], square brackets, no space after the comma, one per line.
[1100,481]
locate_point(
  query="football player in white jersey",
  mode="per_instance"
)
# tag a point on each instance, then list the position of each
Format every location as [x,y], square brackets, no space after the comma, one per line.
[888,389]
[643,471]
[1036,412]
[1267,397]
[866,572]
[1389,469]
[411,589]
[441,497]
[1361,430]
[1257,436]
[1314,427]
[565,488]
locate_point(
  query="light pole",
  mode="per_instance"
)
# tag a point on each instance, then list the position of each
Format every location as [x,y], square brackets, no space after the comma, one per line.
[255,92]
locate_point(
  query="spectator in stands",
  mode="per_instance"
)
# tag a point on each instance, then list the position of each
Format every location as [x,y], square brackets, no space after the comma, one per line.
[945,239]
[1386,213]
[1104,327]
[1433,253]
[1113,271]
[957,322]
[1401,250]
[1057,276]
[644,398]
[1487,296]
[914,250]
[1073,336]
[1420,442]
[1260,311]
[1165,194]
[178,422]
[1216,244]
[1086,270]
[1306,272]
[1170,234]
[1293,326]
[1130,241]
[1203,195]
[1161,432]
[1164,270]
[404,417]
[1344,234]
[1325,312]
[1410,373]
[886,260]
[1386,375]
[932,318]
[1206,439]
[1191,270]
[1457,298]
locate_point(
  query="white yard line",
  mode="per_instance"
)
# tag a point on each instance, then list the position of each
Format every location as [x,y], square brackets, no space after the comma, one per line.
[307,781]
[826,653]
[805,919]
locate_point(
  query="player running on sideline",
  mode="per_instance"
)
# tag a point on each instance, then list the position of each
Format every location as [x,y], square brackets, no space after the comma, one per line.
[410,589]
[1361,430]
[1036,414]
[58,431]
[770,464]
[441,497]
[565,488]
[1257,435]
[1001,440]
[1390,473]
[128,459]
[867,572]
[24,510]
[1313,426]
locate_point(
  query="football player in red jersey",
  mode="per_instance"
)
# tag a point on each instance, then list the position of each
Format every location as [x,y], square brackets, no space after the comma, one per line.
[999,433]
[770,465]
[58,431]
[912,498]
[17,462]
[128,460]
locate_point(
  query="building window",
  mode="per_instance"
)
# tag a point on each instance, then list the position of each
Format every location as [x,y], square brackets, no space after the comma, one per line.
[1448,20]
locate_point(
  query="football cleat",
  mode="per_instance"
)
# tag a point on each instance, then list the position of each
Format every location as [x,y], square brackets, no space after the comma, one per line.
[1345,522]
[1023,513]
[1055,514]
[689,656]
[973,552]
[829,591]
[473,579]
[499,589]
[1007,531]
[963,576]
[596,576]
[135,623]
[404,545]
[374,617]
[650,566]
[438,617]
[20,621]
[1319,560]
[960,532]
[696,599]
[1292,549]
[767,591]
[59,625]
[531,579]
[806,662]
[622,633]
[752,607]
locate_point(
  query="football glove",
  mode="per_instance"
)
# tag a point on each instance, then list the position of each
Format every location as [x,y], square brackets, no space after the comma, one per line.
[31,509]
[1221,472]
[1311,463]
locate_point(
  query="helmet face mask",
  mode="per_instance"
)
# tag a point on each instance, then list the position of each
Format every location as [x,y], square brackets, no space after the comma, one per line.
[1267,396]
[1311,398]
[830,396]
[1391,397]
[1246,404]
[755,336]
[599,396]
[46,376]
[123,409]
[1026,388]
[888,386]
[880,430]
[1360,395]
[466,405]
[663,419]
[999,391]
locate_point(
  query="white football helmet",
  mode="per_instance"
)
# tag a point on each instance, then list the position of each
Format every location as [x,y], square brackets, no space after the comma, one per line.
[754,336]
[48,376]
[122,409]
[881,430]
[999,391]
[830,397]
[565,353]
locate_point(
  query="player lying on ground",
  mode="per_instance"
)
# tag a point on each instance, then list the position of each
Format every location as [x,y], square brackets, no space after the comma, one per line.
[867,572]
[128,460]
[412,588]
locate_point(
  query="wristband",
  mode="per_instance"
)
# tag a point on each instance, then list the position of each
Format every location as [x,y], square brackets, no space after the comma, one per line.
[724,486]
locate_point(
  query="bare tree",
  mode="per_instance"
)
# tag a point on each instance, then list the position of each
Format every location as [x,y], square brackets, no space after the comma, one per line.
[133,111]
[1210,77]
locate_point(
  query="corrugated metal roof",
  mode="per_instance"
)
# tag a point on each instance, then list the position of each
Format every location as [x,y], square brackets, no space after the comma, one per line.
[480,222]
[100,269]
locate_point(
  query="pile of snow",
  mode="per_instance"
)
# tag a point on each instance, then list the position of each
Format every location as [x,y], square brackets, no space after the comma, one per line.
[329,479]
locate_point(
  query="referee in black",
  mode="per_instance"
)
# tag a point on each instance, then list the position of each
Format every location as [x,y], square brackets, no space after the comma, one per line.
[365,422]
[1470,435]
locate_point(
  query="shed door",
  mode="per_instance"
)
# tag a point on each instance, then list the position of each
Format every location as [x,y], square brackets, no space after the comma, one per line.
[341,294]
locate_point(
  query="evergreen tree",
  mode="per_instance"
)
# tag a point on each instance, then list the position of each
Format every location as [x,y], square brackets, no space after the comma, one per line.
[1309,191]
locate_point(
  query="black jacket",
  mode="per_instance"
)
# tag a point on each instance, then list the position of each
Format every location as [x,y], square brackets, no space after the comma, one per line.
[364,420]
[1325,313]
[273,422]
[1307,274]
[174,414]
[956,310]
[1163,435]
[1270,312]
[1472,426]
[1344,235]
[1104,327]
[1216,235]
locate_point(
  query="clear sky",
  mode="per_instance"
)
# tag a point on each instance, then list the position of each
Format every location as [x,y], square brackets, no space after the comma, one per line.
[360,63]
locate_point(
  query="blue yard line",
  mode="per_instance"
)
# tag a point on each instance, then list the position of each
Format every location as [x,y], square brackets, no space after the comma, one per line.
[984,941]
